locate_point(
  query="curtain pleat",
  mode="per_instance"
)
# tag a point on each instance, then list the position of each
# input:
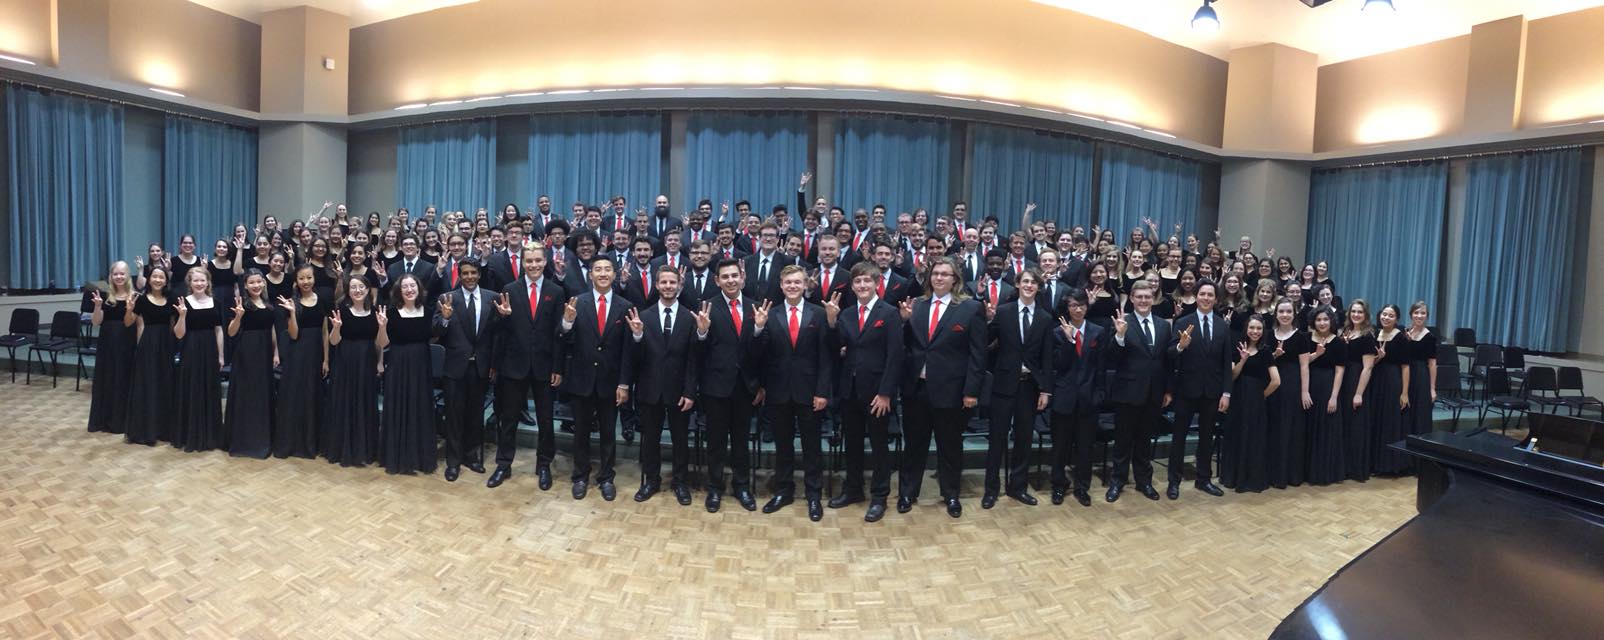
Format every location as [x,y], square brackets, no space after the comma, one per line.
[208,180]
[590,158]
[1379,229]
[1137,183]
[1012,166]
[451,165]
[756,157]
[901,162]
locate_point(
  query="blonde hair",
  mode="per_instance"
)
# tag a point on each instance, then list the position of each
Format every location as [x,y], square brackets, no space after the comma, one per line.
[1347,317]
[204,274]
[128,283]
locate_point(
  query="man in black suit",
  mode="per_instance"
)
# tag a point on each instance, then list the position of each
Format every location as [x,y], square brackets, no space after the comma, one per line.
[993,289]
[810,235]
[796,386]
[412,263]
[893,287]
[529,359]
[598,373]
[464,322]
[505,265]
[1021,385]
[730,331]
[1202,356]
[543,216]
[724,246]
[637,283]
[662,224]
[446,271]
[1018,262]
[971,260]
[1141,359]
[871,336]
[673,254]
[941,380]
[832,278]
[1077,266]
[577,269]
[763,267]
[665,384]
[700,281]
[1078,394]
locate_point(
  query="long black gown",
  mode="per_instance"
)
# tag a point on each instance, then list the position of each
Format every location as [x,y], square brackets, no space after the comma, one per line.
[250,385]
[225,285]
[150,393]
[1244,456]
[297,423]
[1326,442]
[408,420]
[114,367]
[199,425]
[351,425]
[1288,432]
[1356,427]
[1389,420]
[1421,353]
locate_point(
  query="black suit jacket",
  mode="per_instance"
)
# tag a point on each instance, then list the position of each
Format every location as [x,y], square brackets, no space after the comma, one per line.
[760,288]
[840,282]
[974,273]
[657,227]
[680,261]
[690,295]
[630,285]
[797,374]
[666,367]
[896,290]
[1075,272]
[810,250]
[731,361]
[1052,296]
[423,269]
[954,361]
[1203,369]
[1010,350]
[1079,378]
[981,290]
[497,270]
[872,361]
[527,348]
[599,358]
[470,347]
[1141,371]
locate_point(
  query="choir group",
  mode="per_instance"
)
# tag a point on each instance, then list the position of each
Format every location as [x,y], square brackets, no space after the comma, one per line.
[744,323]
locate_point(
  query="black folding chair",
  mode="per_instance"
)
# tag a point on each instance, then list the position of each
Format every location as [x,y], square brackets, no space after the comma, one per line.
[24,331]
[1570,379]
[1450,393]
[1500,399]
[63,337]
[1464,341]
[1515,365]
[1488,356]
[1542,390]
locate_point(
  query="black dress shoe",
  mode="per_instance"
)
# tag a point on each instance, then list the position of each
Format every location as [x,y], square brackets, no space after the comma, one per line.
[1209,488]
[647,490]
[988,501]
[498,477]
[524,417]
[682,493]
[713,500]
[904,504]
[580,489]
[1084,498]
[745,498]
[1174,491]
[844,499]
[1114,491]
[476,467]
[1024,497]
[542,474]
[629,436]
[451,473]
[815,509]
[954,508]
[776,502]
[608,491]
[877,510]
[1148,490]
[1058,497]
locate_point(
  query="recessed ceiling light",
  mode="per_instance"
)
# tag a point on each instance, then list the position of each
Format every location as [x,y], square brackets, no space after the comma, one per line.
[1127,125]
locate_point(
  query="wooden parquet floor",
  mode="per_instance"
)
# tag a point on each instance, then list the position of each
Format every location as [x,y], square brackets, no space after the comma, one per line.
[103,539]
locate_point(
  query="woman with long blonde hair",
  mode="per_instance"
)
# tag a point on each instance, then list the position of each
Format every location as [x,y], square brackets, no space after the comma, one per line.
[114,351]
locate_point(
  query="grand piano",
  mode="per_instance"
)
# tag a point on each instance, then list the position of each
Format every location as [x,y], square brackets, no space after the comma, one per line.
[1508,543]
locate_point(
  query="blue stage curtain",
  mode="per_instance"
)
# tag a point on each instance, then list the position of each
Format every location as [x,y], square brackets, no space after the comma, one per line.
[1523,213]
[1137,183]
[901,162]
[1380,230]
[64,156]
[592,157]
[208,180]
[451,165]
[754,156]
[1011,166]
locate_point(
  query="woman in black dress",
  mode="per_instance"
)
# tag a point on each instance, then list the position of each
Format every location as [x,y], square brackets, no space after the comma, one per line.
[150,393]
[225,268]
[304,360]
[408,422]
[389,251]
[279,282]
[249,416]
[1360,344]
[1388,394]
[322,263]
[357,267]
[1103,300]
[199,329]
[351,425]
[157,257]
[261,259]
[114,352]
[1322,275]
[1288,433]
[1422,370]
[1244,456]
[182,263]
[1322,378]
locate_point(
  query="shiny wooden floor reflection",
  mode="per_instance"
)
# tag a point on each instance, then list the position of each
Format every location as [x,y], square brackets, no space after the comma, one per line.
[104,539]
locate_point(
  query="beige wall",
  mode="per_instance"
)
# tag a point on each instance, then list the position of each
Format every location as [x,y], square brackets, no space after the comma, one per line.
[1270,99]
[1016,50]
[25,29]
[206,54]
[294,43]
[1408,94]
[1564,79]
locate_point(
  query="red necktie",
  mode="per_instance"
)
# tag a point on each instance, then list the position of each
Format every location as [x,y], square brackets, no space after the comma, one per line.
[645,286]
[516,264]
[863,315]
[727,253]
[453,274]
[807,244]
[880,292]
[1019,267]
[671,263]
[994,292]
[534,301]
[1077,342]
[735,314]
[794,326]
[826,290]
[935,317]
[601,315]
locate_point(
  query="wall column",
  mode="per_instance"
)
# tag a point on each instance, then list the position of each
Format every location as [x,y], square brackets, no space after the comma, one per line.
[302,164]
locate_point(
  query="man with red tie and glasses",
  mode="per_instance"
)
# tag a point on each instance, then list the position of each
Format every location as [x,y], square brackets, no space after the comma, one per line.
[942,374]
[796,387]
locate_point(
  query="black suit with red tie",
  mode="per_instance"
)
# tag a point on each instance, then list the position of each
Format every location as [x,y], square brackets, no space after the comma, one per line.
[832,280]
[797,368]
[943,366]
[600,360]
[639,285]
[527,353]
[1079,389]
[871,365]
[731,368]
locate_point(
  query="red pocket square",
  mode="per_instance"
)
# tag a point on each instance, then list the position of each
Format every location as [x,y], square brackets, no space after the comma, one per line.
[545,298]
[957,328]
[879,323]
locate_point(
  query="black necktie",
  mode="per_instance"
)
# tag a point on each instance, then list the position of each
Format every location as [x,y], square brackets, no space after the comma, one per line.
[1208,330]
[698,283]
[473,328]
[668,322]
[1147,330]
[1024,327]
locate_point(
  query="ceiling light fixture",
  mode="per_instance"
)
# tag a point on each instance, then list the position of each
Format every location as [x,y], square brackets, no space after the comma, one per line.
[408,107]
[1206,19]
[1378,6]
[16,59]
[167,92]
